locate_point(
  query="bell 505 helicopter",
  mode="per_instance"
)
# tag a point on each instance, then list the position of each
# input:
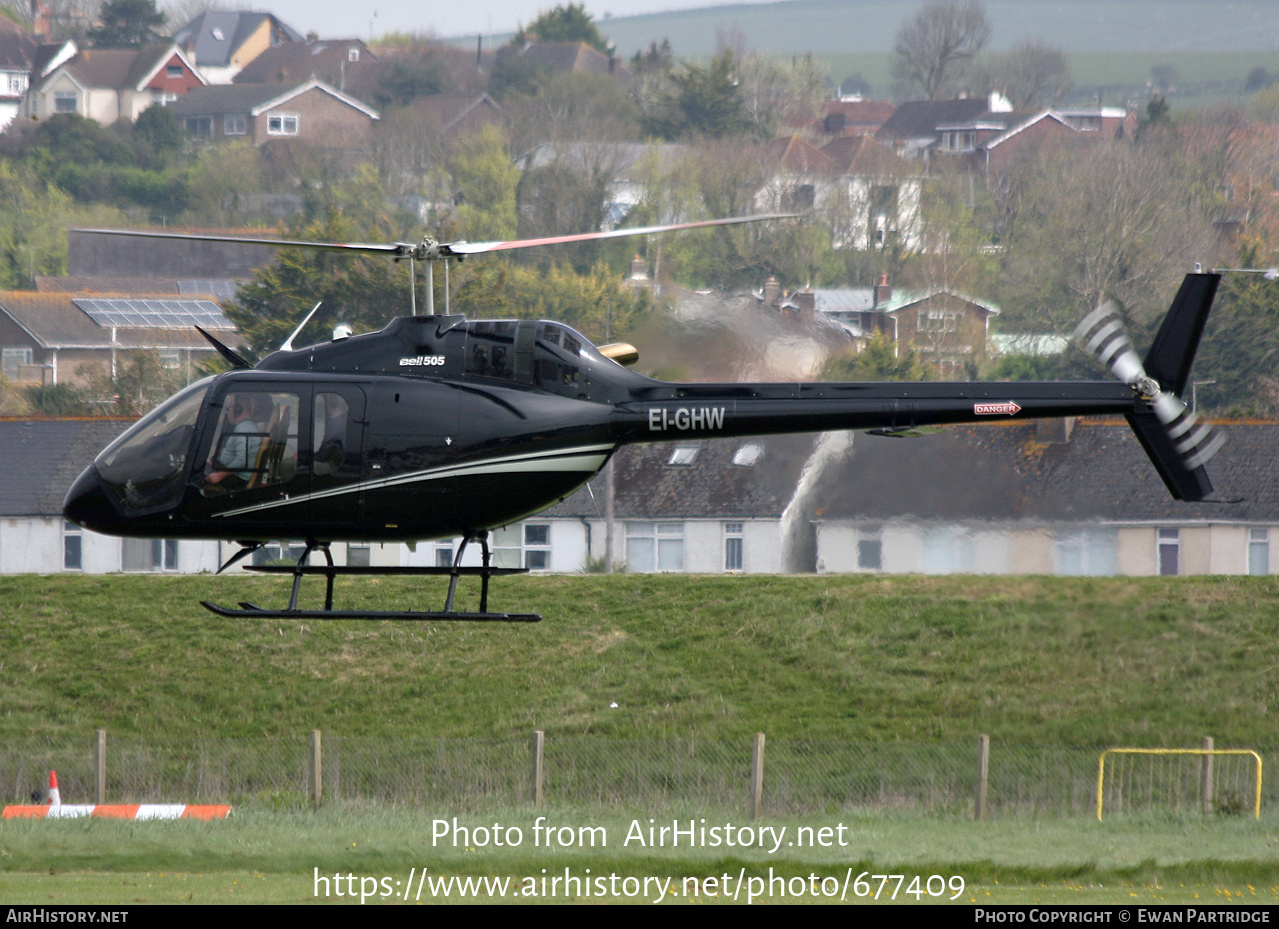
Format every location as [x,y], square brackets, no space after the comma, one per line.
[440,426]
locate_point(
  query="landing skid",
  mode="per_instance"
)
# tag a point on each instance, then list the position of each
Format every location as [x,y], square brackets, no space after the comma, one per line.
[330,571]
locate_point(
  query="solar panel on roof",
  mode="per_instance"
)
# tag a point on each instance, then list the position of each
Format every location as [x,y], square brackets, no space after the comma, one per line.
[154,314]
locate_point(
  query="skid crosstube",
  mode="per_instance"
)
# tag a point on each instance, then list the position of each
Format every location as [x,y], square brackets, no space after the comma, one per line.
[253,611]
[330,571]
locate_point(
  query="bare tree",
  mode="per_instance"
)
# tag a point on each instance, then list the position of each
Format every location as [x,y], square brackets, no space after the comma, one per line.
[1031,75]
[934,48]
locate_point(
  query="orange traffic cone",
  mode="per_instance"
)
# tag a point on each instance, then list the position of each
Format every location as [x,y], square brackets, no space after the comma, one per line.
[55,798]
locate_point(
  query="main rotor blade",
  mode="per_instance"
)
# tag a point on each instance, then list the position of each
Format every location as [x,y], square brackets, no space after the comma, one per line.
[428,249]
[391,250]
[477,248]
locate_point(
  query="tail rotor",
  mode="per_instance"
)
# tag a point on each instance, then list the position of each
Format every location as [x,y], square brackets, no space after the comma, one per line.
[1102,333]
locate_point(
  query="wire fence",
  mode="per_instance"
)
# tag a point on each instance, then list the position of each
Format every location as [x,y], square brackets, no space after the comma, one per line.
[798,777]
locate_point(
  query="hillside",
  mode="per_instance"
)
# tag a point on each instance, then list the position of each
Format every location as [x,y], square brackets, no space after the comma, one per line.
[1071,661]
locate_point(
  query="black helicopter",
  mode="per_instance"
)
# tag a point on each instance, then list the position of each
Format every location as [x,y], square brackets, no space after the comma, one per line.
[439,426]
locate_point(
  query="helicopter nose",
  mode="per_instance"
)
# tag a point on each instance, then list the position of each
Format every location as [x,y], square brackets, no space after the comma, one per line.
[87,505]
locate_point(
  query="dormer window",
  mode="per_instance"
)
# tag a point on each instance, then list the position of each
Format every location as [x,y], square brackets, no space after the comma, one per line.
[684,455]
[748,455]
[352,54]
[217,34]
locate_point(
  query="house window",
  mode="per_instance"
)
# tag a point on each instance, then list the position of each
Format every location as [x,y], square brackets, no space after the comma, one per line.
[201,126]
[173,71]
[524,546]
[72,547]
[64,101]
[352,54]
[283,124]
[171,358]
[1086,552]
[1169,552]
[948,550]
[163,98]
[444,555]
[1259,552]
[748,455]
[938,321]
[17,83]
[359,554]
[733,546]
[655,546]
[870,550]
[149,555]
[13,360]
[235,124]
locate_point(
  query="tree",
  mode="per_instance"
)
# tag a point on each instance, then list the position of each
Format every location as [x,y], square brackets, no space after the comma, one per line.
[880,359]
[777,93]
[933,49]
[1031,75]
[567,24]
[127,23]
[486,182]
[701,102]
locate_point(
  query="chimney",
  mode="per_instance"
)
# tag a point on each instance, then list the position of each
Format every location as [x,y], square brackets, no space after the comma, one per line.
[805,300]
[1054,431]
[772,292]
[883,293]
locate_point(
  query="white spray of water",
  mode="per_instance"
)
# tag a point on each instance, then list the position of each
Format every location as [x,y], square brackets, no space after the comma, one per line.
[797,550]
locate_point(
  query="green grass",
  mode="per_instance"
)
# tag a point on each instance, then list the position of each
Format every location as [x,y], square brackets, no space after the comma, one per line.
[272,857]
[1076,662]
[1040,661]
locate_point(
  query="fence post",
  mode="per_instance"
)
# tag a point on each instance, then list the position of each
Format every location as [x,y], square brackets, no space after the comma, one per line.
[1205,778]
[983,774]
[539,771]
[757,776]
[317,769]
[100,767]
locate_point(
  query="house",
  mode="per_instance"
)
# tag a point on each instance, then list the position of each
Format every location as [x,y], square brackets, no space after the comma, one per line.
[563,58]
[223,42]
[328,60]
[59,338]
[110,84]
[186,262]
[18,51]
[948,329]
[985,134]
[866,193]
[1045,497]
[706,507]
[840,118]
[40,459]
[310,112]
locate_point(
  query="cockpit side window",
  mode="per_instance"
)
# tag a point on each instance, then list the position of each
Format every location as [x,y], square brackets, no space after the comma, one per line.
[256,442]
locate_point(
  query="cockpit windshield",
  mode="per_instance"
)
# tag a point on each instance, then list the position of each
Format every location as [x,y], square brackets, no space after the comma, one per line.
[143,470]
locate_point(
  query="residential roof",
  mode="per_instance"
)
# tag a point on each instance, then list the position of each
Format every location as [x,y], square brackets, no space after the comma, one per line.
[798,156]
[41,458]
[17,47]
[299,61]
[1006,472]
[119,68]
[917,119]
[861,154]
[254,99]
[447,110]
[54,321]
[858,116]
[647,486]
[218,34]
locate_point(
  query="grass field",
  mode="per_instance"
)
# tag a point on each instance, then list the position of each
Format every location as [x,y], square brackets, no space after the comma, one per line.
[273,857]
[1044,661]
